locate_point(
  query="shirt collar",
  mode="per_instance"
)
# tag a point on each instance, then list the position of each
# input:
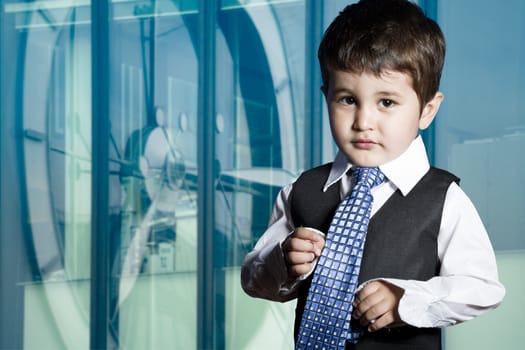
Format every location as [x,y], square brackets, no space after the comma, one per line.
[404,172]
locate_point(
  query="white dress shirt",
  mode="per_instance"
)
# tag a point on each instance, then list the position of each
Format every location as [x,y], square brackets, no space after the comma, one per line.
[467,284]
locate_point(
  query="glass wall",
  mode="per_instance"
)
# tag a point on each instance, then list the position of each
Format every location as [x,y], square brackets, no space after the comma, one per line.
[153,114]
[480,136]
[46,174]
[146,149]
[141,153]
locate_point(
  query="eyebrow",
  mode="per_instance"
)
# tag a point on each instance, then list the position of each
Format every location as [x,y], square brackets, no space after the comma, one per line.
[343,90]
[379,93]
[389,93]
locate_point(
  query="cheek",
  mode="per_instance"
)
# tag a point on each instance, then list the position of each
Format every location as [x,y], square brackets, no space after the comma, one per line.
[403,134]
[340,118]
[340,127]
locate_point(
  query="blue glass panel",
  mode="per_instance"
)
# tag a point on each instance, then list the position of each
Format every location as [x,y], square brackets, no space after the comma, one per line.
[154,127]
[480,135]
[480,128]
[50,176]
[260,148]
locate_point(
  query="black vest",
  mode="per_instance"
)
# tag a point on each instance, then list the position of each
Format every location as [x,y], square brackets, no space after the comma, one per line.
[401,243]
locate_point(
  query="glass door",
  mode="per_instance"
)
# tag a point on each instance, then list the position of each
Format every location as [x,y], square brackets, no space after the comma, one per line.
[154,73]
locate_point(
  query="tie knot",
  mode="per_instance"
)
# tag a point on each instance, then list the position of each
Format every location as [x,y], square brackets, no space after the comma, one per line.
[369,177]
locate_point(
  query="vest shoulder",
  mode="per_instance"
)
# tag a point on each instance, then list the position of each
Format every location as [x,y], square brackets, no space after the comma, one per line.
[313,177]
[318,170]
[443,175]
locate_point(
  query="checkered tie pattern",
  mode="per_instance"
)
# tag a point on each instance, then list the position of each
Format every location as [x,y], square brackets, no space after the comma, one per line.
[326,318]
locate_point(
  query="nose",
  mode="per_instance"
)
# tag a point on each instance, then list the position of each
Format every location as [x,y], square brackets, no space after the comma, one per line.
[364,119]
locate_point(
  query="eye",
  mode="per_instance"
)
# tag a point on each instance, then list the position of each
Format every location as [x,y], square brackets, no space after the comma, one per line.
[347,100]
[387,103]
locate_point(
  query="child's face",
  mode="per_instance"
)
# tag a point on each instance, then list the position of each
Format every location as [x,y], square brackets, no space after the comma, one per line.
[375,118]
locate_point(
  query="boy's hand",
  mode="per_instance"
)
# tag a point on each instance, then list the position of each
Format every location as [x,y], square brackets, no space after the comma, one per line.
[376,305]
[301,250]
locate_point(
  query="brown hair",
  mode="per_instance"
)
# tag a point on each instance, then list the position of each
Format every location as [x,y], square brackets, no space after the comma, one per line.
[379,35]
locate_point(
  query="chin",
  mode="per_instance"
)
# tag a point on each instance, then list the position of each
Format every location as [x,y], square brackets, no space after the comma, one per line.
[364,158]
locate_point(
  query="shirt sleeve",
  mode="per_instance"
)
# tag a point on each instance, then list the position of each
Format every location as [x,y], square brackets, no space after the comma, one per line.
[467,285]
[263,272]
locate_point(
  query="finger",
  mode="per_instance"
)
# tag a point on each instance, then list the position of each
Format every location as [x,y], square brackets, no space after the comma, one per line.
[368,289]
[300,269]
[297,258]
[316,237]
[309,233]
[375,312]
[298,245]
[381,322]
[318,247]
[381,304]
[356,312]
[370,309]
[366,298]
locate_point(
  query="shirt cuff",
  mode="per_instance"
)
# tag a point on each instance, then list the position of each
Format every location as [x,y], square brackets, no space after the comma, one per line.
[273,255]
[288,286]
[415,306]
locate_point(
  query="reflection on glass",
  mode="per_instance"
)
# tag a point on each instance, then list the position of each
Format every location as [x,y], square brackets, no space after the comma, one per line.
[154,72]
[260,52]
[53,75]
[153,185]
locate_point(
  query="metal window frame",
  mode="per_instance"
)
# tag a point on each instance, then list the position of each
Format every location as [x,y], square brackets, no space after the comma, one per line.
[206,315]
[100,232]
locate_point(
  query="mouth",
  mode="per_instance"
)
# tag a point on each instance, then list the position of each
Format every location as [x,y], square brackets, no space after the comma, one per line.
[364,144]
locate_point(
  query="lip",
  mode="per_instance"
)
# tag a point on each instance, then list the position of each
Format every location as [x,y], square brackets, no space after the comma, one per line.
[364,144]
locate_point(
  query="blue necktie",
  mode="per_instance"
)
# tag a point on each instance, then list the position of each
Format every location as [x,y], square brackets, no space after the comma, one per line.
[326,318]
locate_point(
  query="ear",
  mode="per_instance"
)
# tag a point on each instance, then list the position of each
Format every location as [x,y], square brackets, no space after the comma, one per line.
[430,110]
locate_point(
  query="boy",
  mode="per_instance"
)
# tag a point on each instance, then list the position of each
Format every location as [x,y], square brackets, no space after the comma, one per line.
[427,261]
